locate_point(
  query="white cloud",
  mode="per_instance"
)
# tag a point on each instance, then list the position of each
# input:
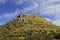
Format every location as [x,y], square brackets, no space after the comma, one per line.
[3,1]
[48,19]
[9,15]
[20,1]
[56,22]
[23,1]
[27,9]
[53,9]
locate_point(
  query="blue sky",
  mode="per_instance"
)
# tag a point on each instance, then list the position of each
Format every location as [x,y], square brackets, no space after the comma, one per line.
[50,9]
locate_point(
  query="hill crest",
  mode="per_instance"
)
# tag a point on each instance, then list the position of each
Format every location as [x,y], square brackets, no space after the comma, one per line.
[31,20]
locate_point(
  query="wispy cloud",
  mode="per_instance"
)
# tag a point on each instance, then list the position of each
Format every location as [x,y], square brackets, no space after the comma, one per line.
[53,9]
[42,7]
[9,15]
[3,1]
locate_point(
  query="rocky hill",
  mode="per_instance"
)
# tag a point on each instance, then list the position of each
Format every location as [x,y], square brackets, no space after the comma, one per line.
[29,27]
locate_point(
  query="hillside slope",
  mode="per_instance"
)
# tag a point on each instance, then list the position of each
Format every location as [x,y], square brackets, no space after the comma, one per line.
[28,27]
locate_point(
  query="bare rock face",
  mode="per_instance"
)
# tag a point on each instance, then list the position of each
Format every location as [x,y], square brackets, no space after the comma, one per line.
[28,27]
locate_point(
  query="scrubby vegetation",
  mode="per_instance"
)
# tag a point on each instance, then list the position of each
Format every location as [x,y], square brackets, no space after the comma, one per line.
[29,27]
